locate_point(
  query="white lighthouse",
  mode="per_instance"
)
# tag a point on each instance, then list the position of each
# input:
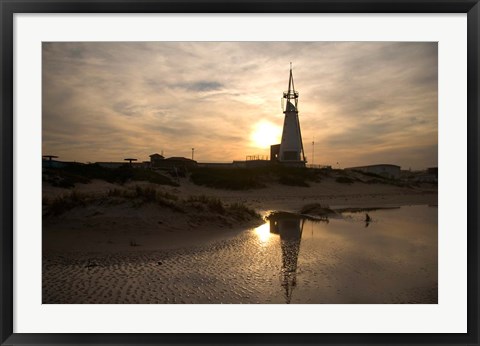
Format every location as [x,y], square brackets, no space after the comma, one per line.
[291,147]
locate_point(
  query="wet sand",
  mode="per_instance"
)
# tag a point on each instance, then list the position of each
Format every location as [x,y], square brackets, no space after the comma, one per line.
[341,262]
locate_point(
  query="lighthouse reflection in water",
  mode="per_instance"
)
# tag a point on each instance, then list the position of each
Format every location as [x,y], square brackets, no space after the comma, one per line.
[289,227]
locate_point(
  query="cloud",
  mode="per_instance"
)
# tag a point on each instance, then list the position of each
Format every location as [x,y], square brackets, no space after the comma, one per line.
[361,102]
[201,86]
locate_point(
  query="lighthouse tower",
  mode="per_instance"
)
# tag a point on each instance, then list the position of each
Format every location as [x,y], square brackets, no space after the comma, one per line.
[291,148]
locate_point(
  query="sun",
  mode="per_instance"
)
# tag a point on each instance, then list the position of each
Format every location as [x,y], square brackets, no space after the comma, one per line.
[264,134]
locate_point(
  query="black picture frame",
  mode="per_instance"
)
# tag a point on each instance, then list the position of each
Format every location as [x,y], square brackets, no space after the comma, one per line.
[10,7]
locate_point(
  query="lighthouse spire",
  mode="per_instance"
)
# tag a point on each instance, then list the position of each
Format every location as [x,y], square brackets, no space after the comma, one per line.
[291,95]
[291,86]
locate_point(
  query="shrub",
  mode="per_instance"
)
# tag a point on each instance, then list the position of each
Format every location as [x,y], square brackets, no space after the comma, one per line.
[254,177]
[344,180]
[115,193]
[74,173]
[230,179]
[141,174]
[370,174]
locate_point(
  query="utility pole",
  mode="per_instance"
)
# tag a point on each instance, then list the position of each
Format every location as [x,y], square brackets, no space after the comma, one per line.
[313,150]
[193,150]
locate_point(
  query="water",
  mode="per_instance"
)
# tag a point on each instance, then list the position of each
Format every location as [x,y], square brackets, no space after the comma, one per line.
[392,259]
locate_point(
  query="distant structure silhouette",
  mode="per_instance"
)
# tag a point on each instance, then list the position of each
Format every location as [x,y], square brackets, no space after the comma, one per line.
[49,162]
[49,157]
[130,160]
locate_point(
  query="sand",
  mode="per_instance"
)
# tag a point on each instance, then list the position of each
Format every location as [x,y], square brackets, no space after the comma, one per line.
[118,254]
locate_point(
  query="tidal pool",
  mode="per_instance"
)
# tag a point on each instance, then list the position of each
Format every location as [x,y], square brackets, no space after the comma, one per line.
[390,259]
[290,259]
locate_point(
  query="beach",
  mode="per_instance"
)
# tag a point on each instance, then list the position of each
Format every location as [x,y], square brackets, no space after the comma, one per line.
[113,251]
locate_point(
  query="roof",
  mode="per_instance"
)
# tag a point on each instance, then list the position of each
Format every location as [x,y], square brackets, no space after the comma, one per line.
[157,155]
[178,158]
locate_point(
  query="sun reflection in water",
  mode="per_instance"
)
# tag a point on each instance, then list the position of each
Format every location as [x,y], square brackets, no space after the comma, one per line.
[263,232]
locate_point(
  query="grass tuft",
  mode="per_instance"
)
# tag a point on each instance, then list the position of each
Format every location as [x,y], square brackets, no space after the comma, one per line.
[242,212]
[61,204]
[211,203]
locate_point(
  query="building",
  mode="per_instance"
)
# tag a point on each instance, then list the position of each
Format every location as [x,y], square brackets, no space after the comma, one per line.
[181,161]
[384,170]
[156,160]
[290,150]
[175,163]
[274,152]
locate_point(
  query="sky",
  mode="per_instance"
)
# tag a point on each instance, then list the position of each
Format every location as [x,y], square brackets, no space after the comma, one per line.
[360,103]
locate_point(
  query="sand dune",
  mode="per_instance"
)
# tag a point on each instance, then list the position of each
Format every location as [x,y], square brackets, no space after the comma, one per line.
[110,227]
